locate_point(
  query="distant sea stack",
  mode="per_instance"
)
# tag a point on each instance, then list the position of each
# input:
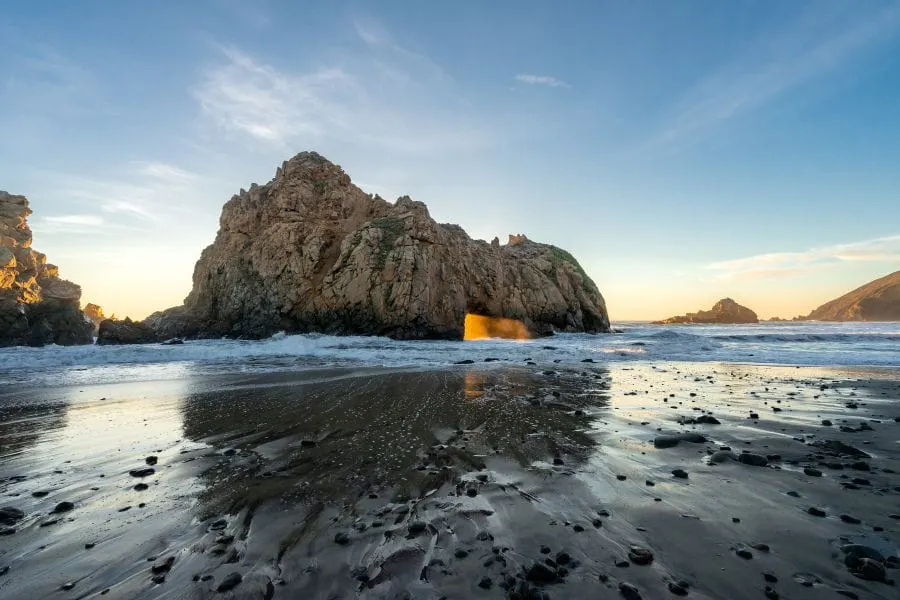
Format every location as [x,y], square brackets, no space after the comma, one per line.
[311,252]
[878,300]
[36,306]
[725,311]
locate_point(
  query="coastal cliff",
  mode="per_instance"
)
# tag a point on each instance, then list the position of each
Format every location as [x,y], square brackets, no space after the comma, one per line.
[311,252]
[36,306]
[878,300]
[725,311]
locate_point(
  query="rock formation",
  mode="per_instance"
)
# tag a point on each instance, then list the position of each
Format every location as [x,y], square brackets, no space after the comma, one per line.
[310,251]
[126,331]
[94,314]
[724,311]
[36,306]
[878,300]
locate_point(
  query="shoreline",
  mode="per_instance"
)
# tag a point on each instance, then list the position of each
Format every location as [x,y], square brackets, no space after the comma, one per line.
[451,482]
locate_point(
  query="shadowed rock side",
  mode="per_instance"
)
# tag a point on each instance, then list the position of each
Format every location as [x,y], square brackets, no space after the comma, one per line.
[36,306]
[310,251]
[878,300]
[724,311]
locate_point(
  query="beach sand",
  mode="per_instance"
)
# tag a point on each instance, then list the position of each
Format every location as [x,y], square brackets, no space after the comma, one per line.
[484,480]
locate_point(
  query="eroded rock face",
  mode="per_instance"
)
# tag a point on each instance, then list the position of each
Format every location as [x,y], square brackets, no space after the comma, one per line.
[725,311]
[310,251]
[878,300]
[36,306]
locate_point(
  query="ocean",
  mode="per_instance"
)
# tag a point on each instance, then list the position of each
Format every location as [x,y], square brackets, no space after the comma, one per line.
[788,343]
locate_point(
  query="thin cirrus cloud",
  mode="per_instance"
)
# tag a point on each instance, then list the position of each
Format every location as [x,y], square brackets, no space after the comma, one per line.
[147,191]
[385,97]
[544,80]
[788,264]
[780,62]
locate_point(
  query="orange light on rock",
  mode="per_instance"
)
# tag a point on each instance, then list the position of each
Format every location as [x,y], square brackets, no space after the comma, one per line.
[479,327]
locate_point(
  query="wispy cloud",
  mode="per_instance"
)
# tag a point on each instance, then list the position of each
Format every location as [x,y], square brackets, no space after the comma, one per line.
[146,191]
[541,80]
[788,264]
[782,62]
[384,96]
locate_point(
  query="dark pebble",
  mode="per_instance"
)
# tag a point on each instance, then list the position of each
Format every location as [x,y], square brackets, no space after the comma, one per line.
[151,460]
[827,423]
[851,520]
[680,474]
[231,581]
[744,553]
[771,594]
[754,460]
[678,589]
[485,583]
[10,515]
[461,553]
[816,512]
[141,487]
[39,494]
[163,567]
[770,577]
[63,507]
[341,538]
[577,528]
[146,472]
[640,556]
[540,573]
[628,591]
[545,549]
[471,492]
[812,472]
[621,477]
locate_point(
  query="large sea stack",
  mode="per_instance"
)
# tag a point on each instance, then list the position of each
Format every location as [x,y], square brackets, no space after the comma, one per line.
[878,300]
[36,306]
[725,311]
[311,252]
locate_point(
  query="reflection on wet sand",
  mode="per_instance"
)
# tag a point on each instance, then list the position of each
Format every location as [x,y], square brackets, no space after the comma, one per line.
[499,482]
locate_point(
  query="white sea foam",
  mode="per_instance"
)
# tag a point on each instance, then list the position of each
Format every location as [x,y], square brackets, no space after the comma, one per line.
[871,344]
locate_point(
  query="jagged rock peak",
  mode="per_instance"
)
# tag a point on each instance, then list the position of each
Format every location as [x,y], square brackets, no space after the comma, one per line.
[310,251]
[36,306]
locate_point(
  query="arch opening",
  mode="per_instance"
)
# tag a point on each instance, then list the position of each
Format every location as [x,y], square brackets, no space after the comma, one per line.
[480,327]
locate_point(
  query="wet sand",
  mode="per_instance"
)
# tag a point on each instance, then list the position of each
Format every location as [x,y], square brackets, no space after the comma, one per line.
[485,480]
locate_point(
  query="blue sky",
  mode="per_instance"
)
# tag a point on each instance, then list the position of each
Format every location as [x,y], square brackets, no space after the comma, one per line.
[683,151]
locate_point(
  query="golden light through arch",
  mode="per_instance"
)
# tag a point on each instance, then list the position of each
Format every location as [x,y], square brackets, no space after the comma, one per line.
[479,327]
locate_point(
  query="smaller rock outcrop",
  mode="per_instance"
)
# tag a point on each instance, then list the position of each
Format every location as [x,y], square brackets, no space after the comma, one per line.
[95,314]
[725,311]
[126,331]
[36,306]
[878,300]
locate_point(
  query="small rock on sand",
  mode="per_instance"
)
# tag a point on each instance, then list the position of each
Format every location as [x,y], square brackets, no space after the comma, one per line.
[63,507]
[754,460]
[146,472]
[628,591]
[640,556]
[816,512]
[231,581]
[341,538]
[680,474]
[812,472]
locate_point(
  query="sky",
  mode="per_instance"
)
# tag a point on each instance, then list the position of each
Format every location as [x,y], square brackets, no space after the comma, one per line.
[682,151]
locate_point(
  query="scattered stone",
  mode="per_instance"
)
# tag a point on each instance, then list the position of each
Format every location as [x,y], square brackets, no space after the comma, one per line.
[678,588]
[851,520]
[10,515]
[754,460]
[541,573]
[151,460]
[628,591]
[63,507]
[816,512]
[163,567]
[826,423]
[141,487]
[744,553]
[721,456]
[460,553]
[417,527]
[812,472]
[666,441]
[640,556]
[231,581]
[146,472]
[770,577]
[485,583]
[341,538]
[40,494]
[680,474]
[770,593]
